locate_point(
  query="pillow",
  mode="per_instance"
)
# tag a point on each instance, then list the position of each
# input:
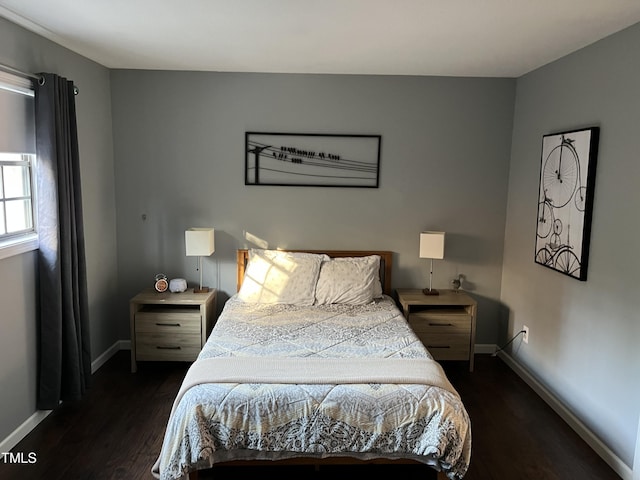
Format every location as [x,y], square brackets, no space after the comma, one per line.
[274,276]
[350,280]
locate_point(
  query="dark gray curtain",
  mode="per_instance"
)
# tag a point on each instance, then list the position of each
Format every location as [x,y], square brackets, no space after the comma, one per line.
[63,329]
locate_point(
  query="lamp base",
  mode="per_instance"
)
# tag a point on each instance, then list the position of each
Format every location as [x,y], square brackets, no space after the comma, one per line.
[430,291]
[201,290]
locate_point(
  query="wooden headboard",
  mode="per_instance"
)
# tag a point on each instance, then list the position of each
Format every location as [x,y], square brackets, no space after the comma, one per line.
[386,261]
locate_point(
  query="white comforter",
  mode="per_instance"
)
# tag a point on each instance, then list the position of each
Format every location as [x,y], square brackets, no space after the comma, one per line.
[244,418]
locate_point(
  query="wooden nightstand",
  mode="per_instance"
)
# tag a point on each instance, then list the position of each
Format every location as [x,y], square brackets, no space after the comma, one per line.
[170,326]
[445,323]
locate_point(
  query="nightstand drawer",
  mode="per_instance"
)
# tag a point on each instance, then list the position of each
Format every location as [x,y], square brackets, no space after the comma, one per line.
[167,346]
[447,346]
[174,321]
[440,322]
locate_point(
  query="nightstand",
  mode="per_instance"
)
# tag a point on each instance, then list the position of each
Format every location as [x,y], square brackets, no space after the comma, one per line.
[170,326]
[445,323]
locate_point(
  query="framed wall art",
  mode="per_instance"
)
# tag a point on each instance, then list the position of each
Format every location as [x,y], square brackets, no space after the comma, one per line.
[296,159]
[565,200]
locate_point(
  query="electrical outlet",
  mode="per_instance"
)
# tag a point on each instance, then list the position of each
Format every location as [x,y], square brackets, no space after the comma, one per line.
[525,335]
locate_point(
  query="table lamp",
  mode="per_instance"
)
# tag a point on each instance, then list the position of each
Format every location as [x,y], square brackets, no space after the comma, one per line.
[432,247]
[199,242]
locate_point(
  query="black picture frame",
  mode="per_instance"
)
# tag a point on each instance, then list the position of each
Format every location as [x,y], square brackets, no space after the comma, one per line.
[312,159]
[565,200]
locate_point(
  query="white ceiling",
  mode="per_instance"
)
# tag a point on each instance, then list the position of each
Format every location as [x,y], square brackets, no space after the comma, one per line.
[488,38]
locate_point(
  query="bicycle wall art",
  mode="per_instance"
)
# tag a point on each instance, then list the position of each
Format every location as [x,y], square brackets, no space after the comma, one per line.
[565,200]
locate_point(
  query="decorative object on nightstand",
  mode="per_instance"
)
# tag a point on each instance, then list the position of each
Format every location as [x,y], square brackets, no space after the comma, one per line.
[177,285]
[170,326]
[199,242]
[432,247]
[445,323]
[456,283]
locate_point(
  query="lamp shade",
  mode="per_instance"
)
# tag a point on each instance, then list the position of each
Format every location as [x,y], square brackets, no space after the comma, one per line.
[432,245]
[199,242]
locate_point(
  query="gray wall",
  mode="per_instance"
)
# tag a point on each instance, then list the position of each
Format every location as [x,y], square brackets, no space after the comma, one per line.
[447,163]
[179,150]
[31,53]
[584,336]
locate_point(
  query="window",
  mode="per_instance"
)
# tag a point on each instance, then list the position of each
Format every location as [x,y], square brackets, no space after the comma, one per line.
[16,202]
[18,222]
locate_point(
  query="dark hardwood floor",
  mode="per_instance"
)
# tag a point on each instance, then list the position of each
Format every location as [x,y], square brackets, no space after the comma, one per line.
[116,432]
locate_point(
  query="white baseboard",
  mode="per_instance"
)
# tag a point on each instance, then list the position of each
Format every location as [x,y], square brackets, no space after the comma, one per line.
[110,352]
[32,422]
[636,458]
[485,348]
[102,359]
[574,422]
[23,430]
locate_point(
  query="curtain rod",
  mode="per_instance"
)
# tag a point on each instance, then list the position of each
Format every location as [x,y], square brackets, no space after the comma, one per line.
[37,78]
[20,73]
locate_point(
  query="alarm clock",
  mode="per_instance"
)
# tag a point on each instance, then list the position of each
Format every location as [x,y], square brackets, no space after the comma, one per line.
[161,284]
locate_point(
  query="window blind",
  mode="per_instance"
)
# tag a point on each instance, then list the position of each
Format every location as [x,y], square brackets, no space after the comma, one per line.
[17,115]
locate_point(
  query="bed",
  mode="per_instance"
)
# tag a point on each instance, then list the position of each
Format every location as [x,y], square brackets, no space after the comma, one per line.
[311,361]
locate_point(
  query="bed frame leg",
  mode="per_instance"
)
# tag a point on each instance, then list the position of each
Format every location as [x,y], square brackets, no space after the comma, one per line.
[194,475]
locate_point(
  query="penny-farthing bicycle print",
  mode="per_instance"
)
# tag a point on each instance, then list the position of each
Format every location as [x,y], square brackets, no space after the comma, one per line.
[566,178]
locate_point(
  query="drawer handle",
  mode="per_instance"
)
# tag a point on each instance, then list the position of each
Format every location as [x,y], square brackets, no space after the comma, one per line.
[435,324]
[438,346]
[167,324]
[160,347]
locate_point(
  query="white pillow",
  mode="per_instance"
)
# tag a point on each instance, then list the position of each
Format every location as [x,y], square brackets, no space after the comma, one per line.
[350,280]
[274,276]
